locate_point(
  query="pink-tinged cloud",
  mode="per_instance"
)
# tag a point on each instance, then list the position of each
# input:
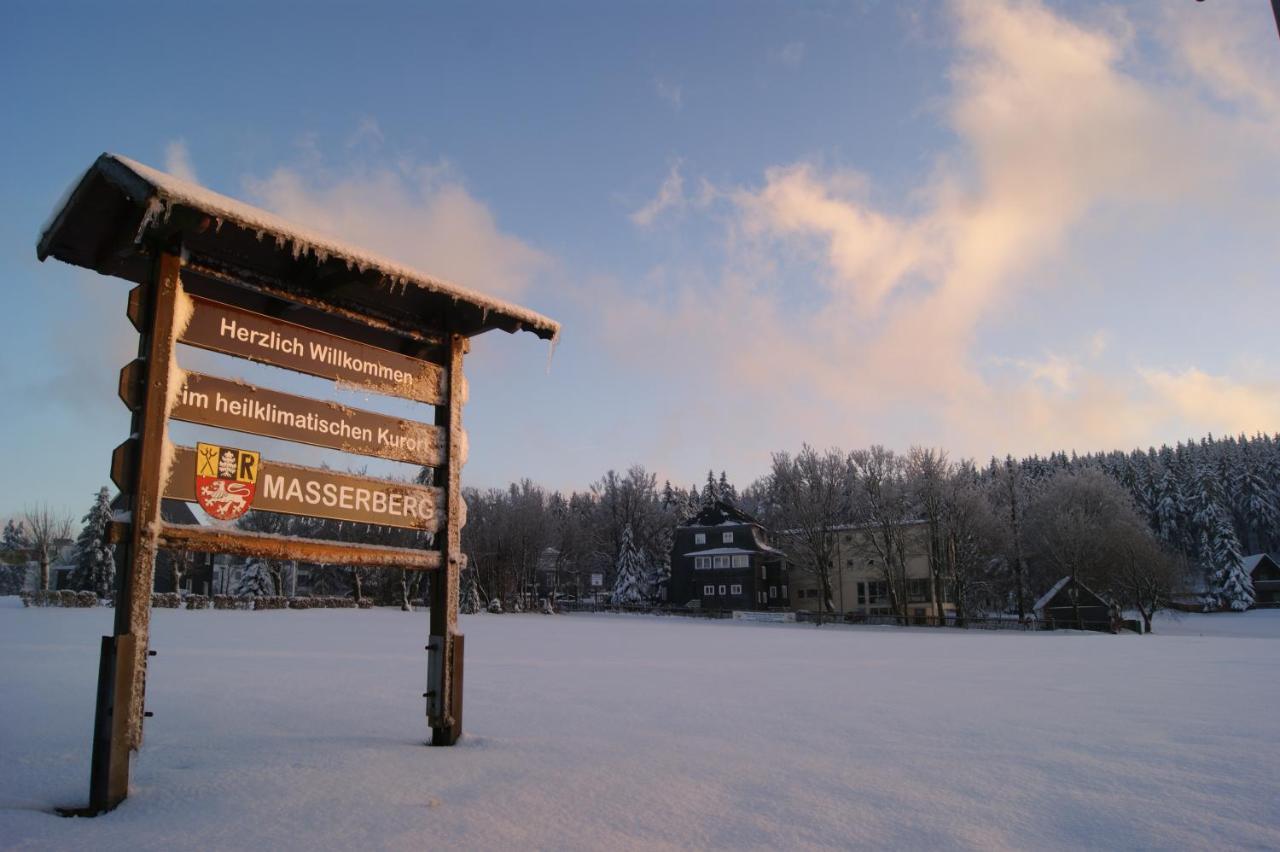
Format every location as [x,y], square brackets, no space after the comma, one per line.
[871,320]
[419,216]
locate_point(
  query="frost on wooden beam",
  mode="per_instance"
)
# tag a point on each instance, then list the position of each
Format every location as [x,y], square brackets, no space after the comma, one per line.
[317,551]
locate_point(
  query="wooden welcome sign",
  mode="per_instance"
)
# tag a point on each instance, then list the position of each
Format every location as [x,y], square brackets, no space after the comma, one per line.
[219,275]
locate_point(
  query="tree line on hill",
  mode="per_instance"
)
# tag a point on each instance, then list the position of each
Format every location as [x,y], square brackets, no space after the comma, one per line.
[1138,527]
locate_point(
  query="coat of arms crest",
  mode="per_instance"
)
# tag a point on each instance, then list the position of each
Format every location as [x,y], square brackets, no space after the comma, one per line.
[226,480]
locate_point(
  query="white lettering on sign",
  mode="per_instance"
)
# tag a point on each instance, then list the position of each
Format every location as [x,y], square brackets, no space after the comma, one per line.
[336,357]
[291,488]
[272,340]
[323,353]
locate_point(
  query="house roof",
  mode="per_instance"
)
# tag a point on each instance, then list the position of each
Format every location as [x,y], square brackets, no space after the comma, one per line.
[171,511]
[1252,561]
[721,551]
[717,513]
[1048,596]
[116,216]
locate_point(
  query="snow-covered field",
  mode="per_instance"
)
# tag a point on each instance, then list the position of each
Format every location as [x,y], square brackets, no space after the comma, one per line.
[303,730]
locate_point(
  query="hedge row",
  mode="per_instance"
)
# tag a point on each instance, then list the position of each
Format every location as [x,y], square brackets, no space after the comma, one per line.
[59,597]
[172,600]
[275,602]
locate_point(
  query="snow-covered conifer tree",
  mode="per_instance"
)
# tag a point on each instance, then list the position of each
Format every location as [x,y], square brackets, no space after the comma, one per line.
[725,490]
[1169,509]
[1256,504]
[658,578]
[668,495]
[693,504]
[255,580]
[628,587]
[711,490]
[468,594]
[1227,577]
[16,539]
[95,558]
[15,547]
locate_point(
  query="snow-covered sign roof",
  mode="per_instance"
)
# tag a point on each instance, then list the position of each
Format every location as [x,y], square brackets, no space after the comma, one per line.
[120,211]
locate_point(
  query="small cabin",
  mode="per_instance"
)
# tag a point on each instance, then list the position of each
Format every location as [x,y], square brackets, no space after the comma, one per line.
[1264,571]
[1072,605]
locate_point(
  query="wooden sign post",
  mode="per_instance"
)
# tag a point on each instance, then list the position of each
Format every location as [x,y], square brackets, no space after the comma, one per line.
[222,276]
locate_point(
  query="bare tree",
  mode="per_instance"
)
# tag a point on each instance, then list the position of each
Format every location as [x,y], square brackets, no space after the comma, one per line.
[881,496]
[972,537]
[928,477]
[1085,525]
[810,495]
[1008,494]
[1144,573]
[46,528]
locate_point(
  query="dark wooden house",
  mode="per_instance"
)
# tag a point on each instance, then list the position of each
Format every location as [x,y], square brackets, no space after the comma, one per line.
[1072,605]
[721,559]
[1264,570]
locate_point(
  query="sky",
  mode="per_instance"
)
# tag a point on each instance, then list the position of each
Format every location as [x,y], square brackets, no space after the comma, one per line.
[985,225]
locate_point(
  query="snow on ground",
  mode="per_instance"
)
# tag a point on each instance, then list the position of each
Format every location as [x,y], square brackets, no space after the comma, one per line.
[292,730]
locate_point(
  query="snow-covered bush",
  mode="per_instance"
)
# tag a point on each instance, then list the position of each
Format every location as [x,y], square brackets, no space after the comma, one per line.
[166,600]
[67,598]
[86,599]
[224,602]
[197,602]
[26,597]
[365,603]
[270,602]
[495,606]
[546,607]
[515,605]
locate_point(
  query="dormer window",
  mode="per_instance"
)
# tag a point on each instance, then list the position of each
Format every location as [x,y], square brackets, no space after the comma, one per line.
[727,538]
[699,538]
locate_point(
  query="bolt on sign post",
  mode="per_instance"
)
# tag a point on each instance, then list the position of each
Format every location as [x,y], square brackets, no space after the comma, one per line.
[215,274]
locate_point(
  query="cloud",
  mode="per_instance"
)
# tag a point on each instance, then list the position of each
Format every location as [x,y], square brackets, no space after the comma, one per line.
[1213,39]
[421,216]
[875,319]
[177,161]
[1217,403]
[368,132]
[790,54]
[669,92]
[670,197]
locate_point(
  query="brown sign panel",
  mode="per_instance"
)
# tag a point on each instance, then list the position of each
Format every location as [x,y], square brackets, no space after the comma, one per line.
[134,308]
[211,401]
[130,387]
[124,465]
[244,334]
[295,490]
